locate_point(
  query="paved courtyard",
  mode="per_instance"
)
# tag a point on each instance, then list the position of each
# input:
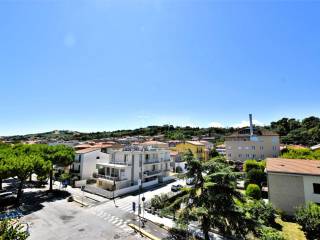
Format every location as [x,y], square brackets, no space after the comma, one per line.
[64,220]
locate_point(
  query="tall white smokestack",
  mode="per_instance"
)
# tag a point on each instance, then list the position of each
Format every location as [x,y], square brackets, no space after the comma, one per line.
[251,125]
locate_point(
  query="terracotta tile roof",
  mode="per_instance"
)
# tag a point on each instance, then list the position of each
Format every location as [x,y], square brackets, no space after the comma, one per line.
[173,153]
[102,145]
[198,143]
[152,142]
[293,166]
[87,150]
[83,146]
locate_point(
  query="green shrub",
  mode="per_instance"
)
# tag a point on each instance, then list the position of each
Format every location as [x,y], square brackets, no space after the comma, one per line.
[64,176]
[9,231]
[261,212]
[158,202]
[253,190]
[178,169]
[253,164]
[267,233]
[255,176]
[309,218]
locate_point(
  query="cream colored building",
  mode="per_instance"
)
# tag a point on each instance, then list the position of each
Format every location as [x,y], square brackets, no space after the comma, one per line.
[252,143]
[293,183]
[130,164]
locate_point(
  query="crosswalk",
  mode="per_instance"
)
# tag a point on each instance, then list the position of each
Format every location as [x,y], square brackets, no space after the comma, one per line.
[124,204]
[118,222]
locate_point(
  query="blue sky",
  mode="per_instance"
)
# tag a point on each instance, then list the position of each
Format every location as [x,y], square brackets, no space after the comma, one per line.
[115,64]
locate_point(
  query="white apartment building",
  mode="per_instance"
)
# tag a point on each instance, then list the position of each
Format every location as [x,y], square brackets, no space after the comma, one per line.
[127,166]
[252,143]
[85,162]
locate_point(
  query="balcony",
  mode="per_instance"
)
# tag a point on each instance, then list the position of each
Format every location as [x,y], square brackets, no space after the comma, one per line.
[110,178]
[151,173]
[75,171]
[152,161]
[120,163]
[167,160]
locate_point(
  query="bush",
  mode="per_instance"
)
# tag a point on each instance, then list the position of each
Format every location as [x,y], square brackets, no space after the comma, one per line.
[255,176]
[64,176]
[261,212]
[309,218]
[9,231]
[267,233]
[158,202]
[253,164]
[253,190]
[178,169]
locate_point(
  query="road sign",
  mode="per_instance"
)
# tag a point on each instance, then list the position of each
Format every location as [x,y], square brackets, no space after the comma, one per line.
[139,182]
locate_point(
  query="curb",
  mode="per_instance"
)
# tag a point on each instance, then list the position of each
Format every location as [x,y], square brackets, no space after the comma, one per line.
[80,202]
[158,224]
[143,232]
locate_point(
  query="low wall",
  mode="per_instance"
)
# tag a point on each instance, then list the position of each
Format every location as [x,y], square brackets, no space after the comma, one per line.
[117,193]
[167,178]
[80,183]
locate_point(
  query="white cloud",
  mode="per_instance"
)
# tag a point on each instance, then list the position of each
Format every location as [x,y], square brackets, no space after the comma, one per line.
[245,123]
[216,125]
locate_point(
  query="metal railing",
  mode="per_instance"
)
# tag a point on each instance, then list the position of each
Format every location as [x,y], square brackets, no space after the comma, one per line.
[111,178]
[150,173]
[151,161]
[74,171]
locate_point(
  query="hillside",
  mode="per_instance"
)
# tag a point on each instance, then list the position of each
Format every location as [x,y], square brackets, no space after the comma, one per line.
[291,131]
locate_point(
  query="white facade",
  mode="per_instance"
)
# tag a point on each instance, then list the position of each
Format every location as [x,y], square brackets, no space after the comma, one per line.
[125,167]
[308,184]
[85,162]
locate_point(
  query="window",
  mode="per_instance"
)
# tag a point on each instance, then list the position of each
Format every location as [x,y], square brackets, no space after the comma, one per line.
[253,156]
[316,188]
[248,155]
[147,156]
[80,158]
[239,148]
[240,155]
[253,147]
[261,147]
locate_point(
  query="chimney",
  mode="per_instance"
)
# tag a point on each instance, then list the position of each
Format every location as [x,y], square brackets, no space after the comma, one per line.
[251,125]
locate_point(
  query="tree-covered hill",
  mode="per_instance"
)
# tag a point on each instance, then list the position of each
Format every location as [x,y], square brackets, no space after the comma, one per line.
[292,131]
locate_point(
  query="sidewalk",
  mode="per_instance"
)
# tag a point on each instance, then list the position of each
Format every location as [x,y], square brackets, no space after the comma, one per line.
[76,192]
[160,220]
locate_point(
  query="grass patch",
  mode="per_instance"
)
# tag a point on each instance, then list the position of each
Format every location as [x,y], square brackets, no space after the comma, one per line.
[291,230]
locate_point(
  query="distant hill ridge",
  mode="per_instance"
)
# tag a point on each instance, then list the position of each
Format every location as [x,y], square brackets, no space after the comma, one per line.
[291,130]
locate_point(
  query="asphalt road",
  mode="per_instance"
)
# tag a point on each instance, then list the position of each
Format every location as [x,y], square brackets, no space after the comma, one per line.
[58,219]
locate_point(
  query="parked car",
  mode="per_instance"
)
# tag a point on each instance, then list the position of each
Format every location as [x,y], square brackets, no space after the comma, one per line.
[176,188]
[190,181]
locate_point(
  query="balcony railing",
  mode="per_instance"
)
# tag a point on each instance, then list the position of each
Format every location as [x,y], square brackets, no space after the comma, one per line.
[120,163]
[151,173]
[74,171]
[152,161]
[111,178]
